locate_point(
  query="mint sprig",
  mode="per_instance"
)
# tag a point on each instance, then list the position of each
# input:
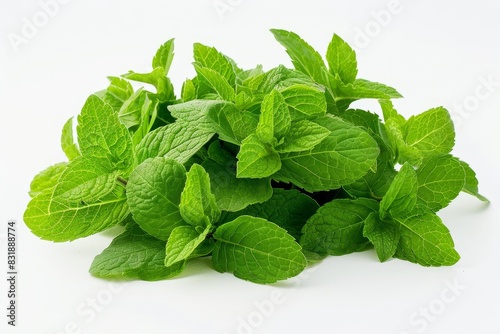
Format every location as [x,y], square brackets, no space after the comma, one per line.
[262,171]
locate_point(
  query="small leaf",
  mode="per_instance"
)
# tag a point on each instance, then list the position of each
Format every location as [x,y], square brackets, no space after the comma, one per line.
[342,60]
[337,227]
[130,113]
[198,205]
[210,58]
[101,135]
[471,182]
[182,243]
[304,57]
[401,196]
[210,81]
[118,91]
[164,56]
[231,124]
[274,121]
[304,135]
[68,144]
[257,159]
[383,234]
[188,91]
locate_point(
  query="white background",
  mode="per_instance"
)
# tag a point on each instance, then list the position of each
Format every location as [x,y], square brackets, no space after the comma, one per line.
[434,52]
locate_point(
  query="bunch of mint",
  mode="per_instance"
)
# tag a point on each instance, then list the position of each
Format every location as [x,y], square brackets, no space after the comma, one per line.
[264,171]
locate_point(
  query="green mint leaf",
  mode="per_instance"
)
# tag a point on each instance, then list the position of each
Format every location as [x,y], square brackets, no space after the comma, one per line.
[337,227]
[204,248]
[471,183]
[247,74]
[231,124]
[134,254]
[232,193]
[303,136]
[247,101]
[256,250]
[195,112]
[86,179]
[118,91]
[101,135]
[182,243]
[130,113]
[305,99]
[340,159]
[212,82]
[148,114]
[401,196]
[47,179]
[425,240]
[179,141]
[257,159]
[362,89]
[221,155]
[68,145]
[390,112]
[188,92]
[198,205]
[59,220]
[373,185]
[154,194]
[365,119]
[341,59]
[274,121]
[440,180]
[157,78]
[383,234]
[304,57]
[429,133]
[164,56]
[209,57]
[277,78]
[289,209]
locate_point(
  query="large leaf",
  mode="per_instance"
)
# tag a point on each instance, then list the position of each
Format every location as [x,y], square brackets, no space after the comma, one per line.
[425,240]
[337,227]
[154,194]
[440,180]
[134,254]
[340,159]
[257,250]
[58,220]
